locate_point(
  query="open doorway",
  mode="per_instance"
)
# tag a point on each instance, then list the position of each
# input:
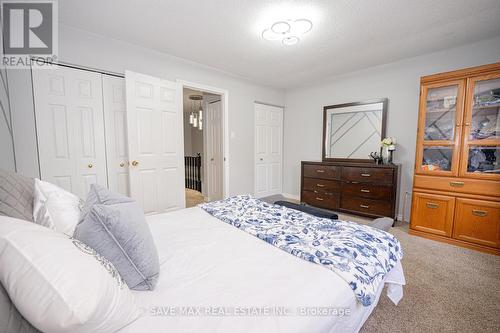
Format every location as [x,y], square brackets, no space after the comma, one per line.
[203,146]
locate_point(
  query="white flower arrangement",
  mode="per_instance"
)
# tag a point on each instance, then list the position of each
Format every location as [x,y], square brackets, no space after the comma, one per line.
[389,143]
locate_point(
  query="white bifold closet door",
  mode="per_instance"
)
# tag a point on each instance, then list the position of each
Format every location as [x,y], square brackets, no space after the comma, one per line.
[70,128]
[115,121]
[155,141]
[268,149]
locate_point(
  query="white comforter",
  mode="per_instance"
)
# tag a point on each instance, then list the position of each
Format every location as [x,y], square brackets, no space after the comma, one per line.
[216,278]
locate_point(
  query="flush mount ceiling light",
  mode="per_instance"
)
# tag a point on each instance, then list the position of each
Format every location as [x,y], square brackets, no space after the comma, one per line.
[292,40]
[287,31]
[281,27]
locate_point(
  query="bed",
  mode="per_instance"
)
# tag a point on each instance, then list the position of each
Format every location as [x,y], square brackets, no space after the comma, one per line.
[216,278]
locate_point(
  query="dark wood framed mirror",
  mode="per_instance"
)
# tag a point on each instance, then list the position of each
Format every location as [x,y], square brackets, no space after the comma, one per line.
[351,131]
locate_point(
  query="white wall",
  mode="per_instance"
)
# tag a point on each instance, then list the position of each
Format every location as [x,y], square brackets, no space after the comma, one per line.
[6,138]
[398,81]
[196,141]
[91,50]
[7,160]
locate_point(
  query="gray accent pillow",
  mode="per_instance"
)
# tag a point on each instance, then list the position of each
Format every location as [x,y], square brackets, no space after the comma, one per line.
[116,228]
[16,195]
[11,321]
[101,195]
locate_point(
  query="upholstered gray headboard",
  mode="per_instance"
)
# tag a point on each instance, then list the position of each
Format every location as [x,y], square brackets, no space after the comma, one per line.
[11,321]
[16,200]
[16,195]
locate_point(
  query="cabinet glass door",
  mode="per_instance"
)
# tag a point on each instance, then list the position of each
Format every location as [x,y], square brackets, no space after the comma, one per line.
[441,110]
[481,156]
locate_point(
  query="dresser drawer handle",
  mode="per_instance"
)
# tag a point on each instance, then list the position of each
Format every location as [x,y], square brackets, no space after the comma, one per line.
[320,185]
[320,171]
[365,175]
[364,206]
[319,199]
[432,205]
[457,184]
[480,213]
[365,191]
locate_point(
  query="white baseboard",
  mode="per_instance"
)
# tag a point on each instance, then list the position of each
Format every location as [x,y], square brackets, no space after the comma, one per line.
[291,196]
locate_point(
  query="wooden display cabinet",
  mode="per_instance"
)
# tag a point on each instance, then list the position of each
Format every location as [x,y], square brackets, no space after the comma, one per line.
[456,190]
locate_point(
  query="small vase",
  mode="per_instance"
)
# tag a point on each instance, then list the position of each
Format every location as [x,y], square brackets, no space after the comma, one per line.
[386,155]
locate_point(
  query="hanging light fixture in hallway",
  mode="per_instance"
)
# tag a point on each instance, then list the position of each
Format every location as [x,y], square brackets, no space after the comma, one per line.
[194,119]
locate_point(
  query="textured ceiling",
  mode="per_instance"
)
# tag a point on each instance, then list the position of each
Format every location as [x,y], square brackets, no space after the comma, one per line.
[347,34]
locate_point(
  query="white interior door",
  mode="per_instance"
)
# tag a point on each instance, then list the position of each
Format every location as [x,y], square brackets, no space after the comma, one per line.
[268,149]
[115,122]
[70,128]
[214,158]
[155,141]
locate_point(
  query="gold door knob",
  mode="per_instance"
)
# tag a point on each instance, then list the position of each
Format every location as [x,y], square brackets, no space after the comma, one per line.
[135,163]
[122,164]
[90,166]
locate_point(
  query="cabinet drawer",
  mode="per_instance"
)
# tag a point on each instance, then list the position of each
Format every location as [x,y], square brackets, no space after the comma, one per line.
[316,184]
[432,213]
[369,175]
[459,185]
[321,171]
[367,190]
[477,221]
[327,201]
[366,206]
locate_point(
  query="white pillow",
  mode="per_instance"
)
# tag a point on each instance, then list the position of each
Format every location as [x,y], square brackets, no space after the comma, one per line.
[59,284]
[55,208]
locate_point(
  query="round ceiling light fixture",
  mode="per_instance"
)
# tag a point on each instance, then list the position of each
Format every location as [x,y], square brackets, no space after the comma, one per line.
[301,26]
[281,27]
[268,34]
[288,31]
[289,41]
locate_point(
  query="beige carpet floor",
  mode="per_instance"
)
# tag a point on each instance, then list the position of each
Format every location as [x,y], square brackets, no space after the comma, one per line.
[449,289]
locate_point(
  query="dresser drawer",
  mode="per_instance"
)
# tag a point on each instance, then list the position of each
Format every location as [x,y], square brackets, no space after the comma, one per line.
[366,206]
[367,190]
[322,200]
[321,171]
[477,221]
[316,184]
[368,175]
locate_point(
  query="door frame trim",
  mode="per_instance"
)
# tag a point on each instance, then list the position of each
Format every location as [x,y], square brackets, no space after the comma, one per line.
[225,135]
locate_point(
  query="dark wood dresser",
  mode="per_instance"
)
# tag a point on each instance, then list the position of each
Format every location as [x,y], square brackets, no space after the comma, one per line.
[365,189]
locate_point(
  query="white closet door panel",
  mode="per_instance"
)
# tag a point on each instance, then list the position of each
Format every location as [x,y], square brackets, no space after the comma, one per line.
[156,152]
[268,149]
[275,178]
[215,160]
[261,186]
[116,134]
[70,128]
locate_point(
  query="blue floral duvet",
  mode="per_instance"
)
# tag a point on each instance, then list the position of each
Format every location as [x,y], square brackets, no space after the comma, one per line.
[360,254]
